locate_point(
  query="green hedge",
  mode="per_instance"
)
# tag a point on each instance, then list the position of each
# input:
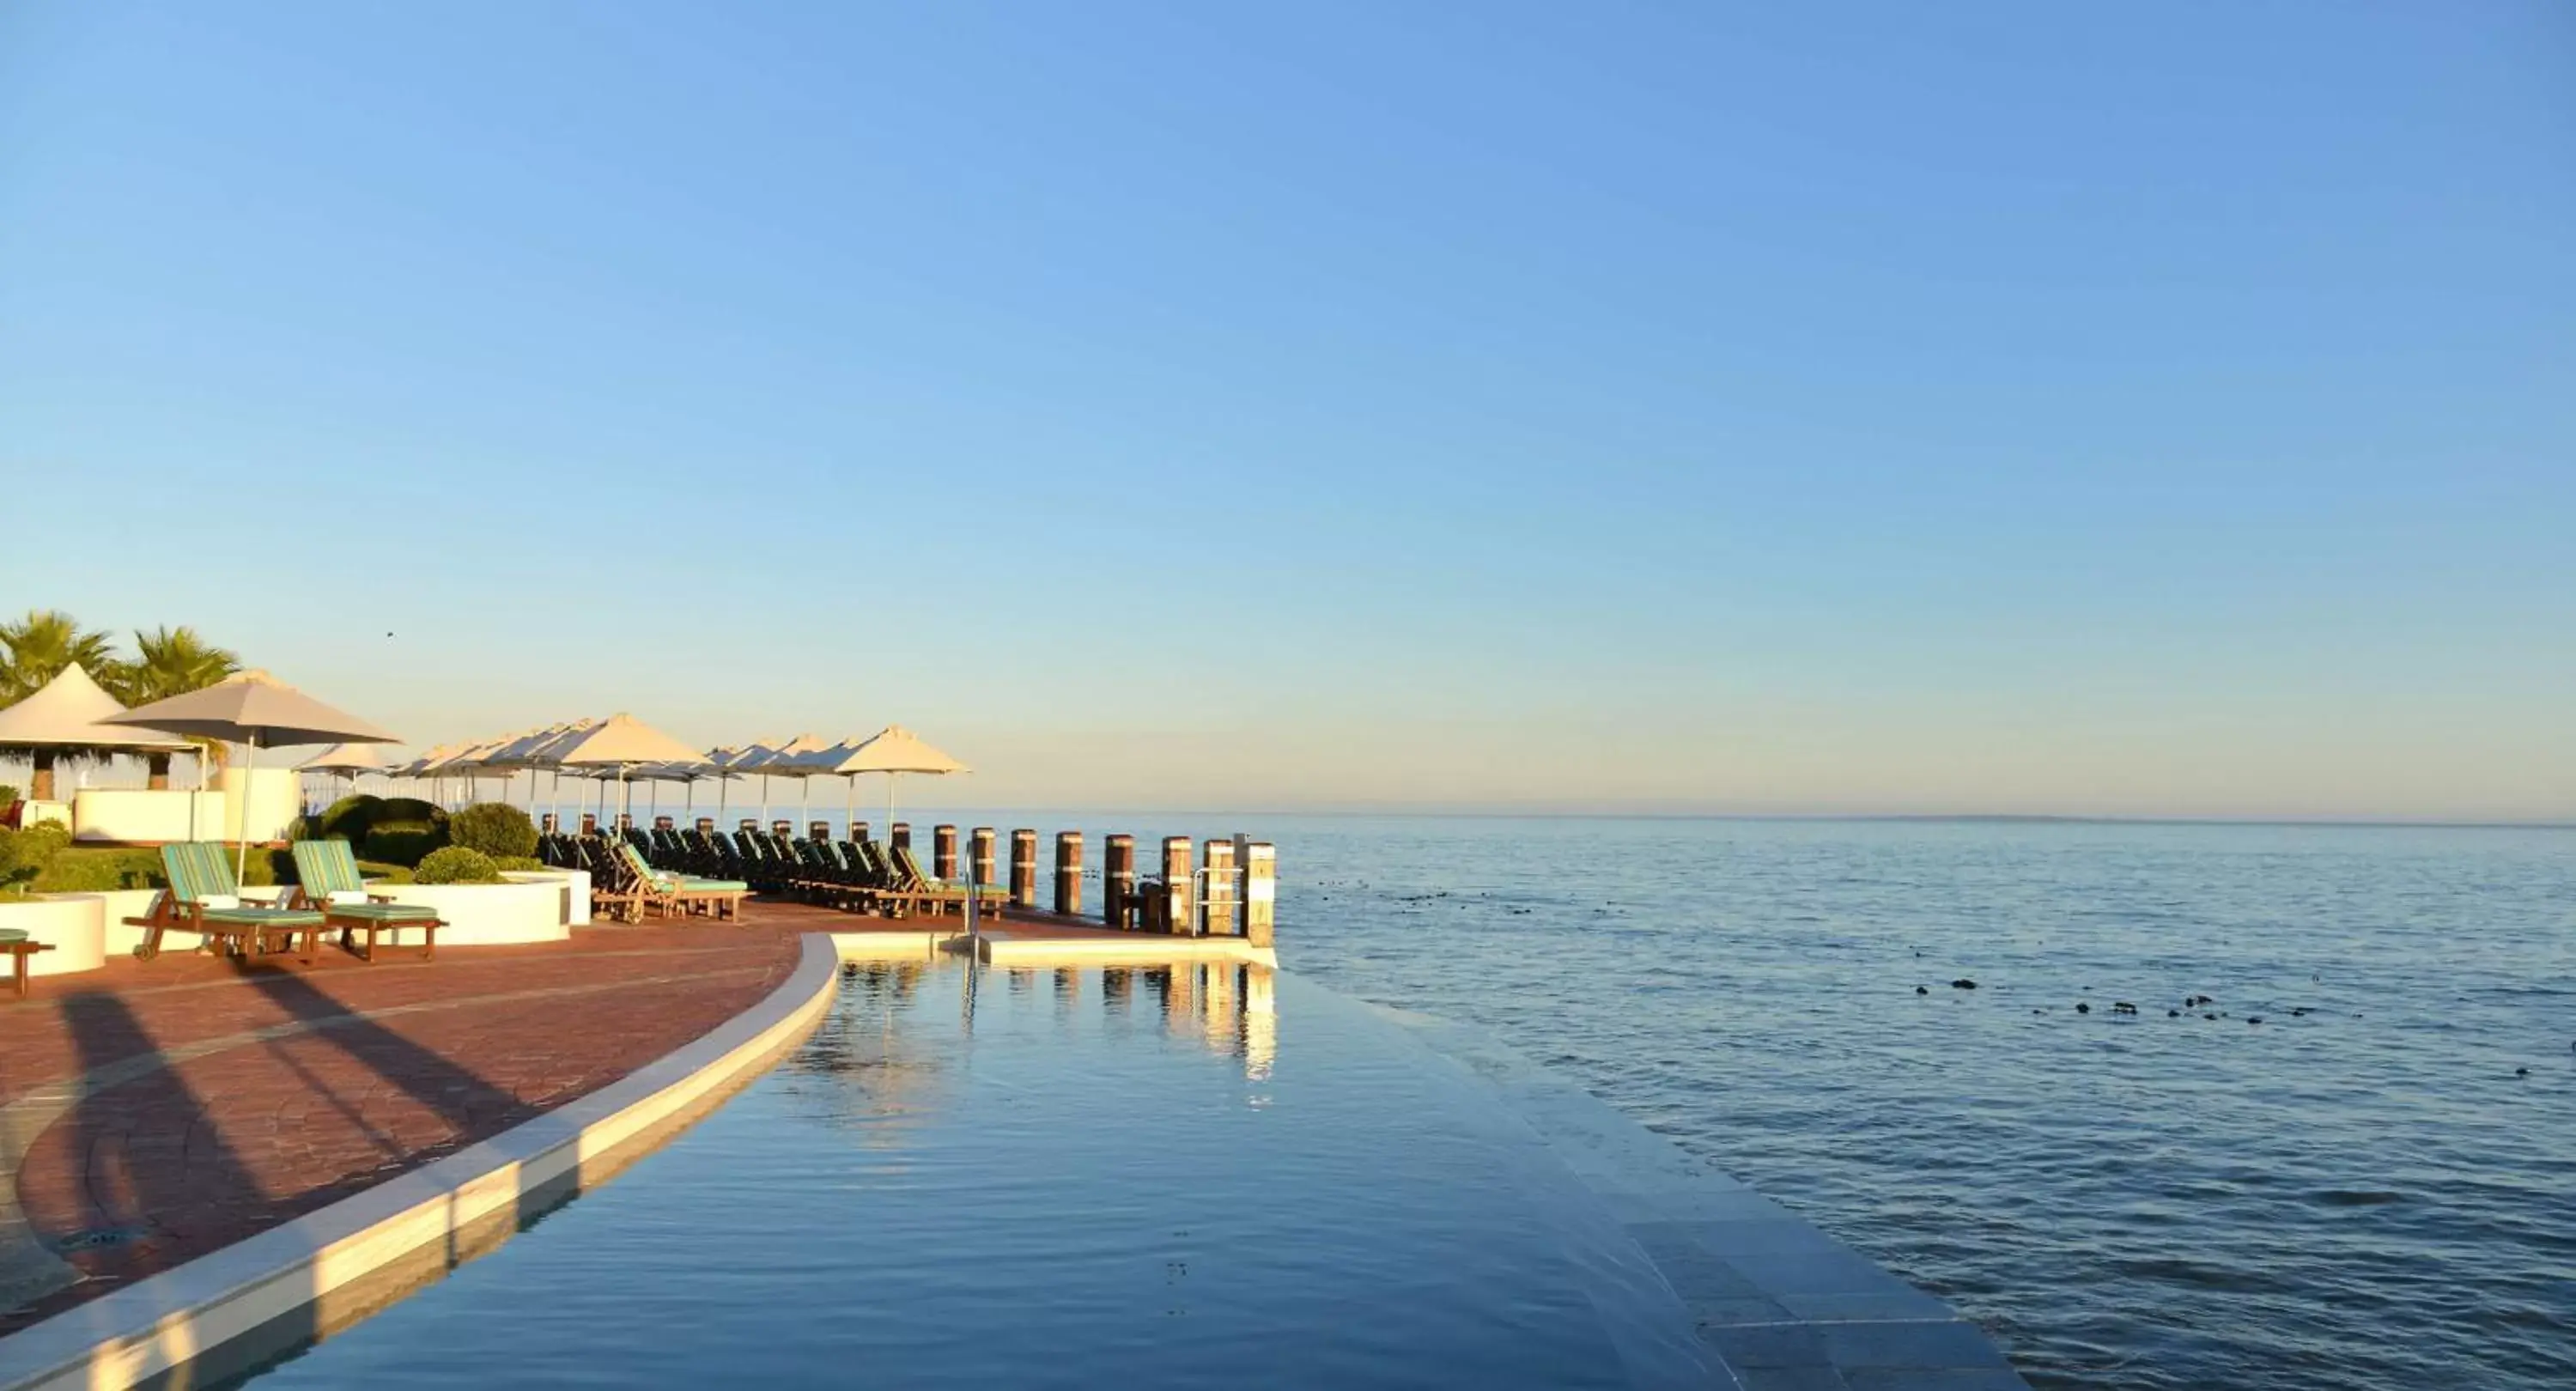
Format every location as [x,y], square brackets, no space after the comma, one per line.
[85,870]
[498,830]
[349,818]
[456,865]
[402,844]
[511,862]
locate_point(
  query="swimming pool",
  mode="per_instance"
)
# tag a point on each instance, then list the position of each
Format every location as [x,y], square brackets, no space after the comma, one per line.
[979,1176]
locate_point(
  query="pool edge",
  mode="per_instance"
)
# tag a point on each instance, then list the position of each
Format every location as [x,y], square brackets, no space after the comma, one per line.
[156,1326]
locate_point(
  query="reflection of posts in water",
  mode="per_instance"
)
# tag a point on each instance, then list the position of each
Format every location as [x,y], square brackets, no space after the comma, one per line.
[1219,1013]
[966,997]
[1260,1024]
[1023,980]
[1068,988]
[1117,986]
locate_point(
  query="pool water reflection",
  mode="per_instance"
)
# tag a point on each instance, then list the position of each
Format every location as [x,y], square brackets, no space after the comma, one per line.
[1065,1177]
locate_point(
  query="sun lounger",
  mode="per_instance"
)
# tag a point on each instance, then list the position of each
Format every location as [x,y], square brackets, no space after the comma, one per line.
[21,949]
[718,898]
[943,894]
[204,898]
[327,879]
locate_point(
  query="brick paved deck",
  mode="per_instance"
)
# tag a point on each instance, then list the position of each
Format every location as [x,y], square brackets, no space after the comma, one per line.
[151,1112]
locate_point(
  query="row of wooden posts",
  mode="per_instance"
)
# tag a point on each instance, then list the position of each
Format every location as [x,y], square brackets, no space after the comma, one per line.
[1230,891]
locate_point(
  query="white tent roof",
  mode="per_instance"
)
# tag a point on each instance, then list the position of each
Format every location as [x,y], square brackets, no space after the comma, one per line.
[67,714]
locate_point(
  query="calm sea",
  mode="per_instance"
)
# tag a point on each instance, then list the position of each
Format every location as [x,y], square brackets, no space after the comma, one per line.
[2365,1189]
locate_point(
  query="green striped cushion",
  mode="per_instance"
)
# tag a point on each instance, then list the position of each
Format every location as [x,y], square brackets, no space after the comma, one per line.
[265,917]
[715,886]
[385,912]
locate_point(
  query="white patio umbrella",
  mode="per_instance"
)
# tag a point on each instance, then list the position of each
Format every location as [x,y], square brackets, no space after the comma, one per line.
[257,709]
[531,751]
[351,760]
[893,751]
[791,760]
[624,743]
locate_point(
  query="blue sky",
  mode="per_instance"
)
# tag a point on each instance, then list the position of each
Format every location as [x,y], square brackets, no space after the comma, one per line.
[1864,407]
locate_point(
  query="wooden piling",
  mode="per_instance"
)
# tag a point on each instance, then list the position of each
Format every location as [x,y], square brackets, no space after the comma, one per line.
[979,847]
[1172,911]
[1218,890]
[1117,878]
[900,833]
[1068,873]
[858,831]
[943,851]
[157,772]
[1024,868]
[818,832]
[1258,862]
[40,787]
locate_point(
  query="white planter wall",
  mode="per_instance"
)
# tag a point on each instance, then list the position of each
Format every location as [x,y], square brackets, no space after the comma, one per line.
[487,914]
[574,884]
[73,925]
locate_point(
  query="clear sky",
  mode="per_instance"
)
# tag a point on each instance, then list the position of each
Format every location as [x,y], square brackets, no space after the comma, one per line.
[2152,409]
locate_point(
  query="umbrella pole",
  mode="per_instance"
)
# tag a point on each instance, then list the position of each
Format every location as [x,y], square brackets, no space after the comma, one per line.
[241,828]
[764,804]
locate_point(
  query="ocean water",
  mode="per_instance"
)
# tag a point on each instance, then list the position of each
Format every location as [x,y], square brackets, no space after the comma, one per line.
[2365,1189]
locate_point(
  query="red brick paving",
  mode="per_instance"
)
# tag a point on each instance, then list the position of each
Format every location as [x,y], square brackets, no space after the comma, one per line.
[377,1069]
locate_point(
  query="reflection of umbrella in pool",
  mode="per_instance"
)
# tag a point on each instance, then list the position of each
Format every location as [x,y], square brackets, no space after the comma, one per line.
[257,709]
[893,751]
[866,1067]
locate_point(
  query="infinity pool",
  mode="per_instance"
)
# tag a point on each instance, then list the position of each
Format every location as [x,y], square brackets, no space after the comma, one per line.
[976,1177]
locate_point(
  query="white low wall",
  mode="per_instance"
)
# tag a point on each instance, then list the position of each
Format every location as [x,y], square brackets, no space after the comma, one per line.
[479,915]
[119,904]
[74,926]
[268,797]
[35,811]
[142,815]
[573,884]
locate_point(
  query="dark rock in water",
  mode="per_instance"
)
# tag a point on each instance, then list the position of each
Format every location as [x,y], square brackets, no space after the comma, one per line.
[2253,1019]
[2123,1007]
[1963,983]
[2299,1012]
[2209,1016]
[2083,1008]
[2038,1011]
[1922,990]
[2173,1014]
[2522,1072]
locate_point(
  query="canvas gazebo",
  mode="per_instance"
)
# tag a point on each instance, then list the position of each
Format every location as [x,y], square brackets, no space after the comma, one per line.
[68,718]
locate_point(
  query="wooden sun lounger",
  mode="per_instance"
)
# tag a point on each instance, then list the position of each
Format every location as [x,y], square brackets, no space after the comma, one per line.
[22,949]
[198,871]
[328,881]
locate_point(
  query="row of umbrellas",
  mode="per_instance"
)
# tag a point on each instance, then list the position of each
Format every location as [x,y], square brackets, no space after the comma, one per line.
[627,750]
[257,710]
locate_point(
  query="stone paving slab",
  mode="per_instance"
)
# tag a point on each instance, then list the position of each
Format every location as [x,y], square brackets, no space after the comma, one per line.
[152,1112]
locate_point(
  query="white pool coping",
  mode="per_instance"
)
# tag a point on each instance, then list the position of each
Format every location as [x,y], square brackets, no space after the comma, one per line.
[162,1322]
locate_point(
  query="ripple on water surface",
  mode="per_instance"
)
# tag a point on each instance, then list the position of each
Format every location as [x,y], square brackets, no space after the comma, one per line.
[2357,1192]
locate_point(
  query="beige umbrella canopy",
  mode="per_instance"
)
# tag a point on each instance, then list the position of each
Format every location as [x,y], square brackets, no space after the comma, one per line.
[625,743]
[257,709]
[65,718]
[349,760]
[893,751]
[789,760]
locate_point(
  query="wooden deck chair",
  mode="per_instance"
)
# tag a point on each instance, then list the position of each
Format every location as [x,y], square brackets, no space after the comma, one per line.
[21,950]
[718,898]
[204,898]
[327,879]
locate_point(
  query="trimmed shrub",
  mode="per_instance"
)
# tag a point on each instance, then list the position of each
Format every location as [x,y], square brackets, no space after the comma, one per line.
[522,862]
[498,830]
[403,844]
[8,796]
[391,874]
[99,871]
[349,818]
[456,865]
[410,809]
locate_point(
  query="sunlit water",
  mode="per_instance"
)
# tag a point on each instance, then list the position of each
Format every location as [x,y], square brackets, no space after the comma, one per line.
[2359,1191]
[2361,1195]
[1190,1177]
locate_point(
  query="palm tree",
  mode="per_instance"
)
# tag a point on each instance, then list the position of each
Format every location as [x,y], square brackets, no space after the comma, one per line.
[173,661]
[41,645]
